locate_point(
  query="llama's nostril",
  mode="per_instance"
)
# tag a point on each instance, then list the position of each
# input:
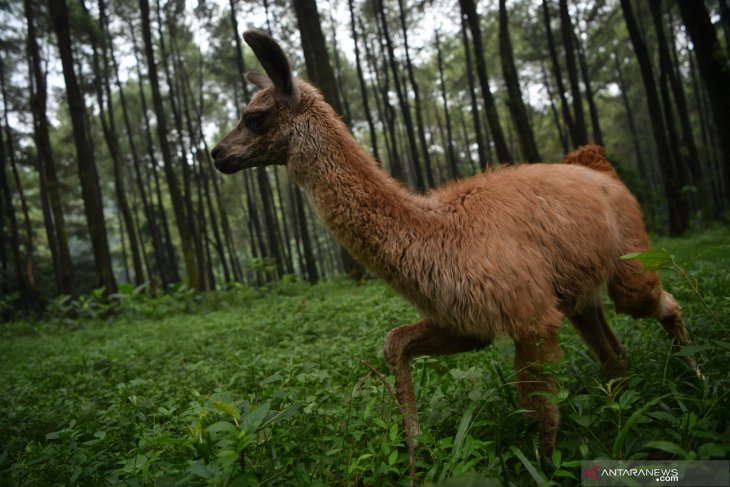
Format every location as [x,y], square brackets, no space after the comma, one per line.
[216,152]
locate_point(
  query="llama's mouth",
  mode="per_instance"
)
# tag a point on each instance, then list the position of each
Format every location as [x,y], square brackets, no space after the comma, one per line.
[223,160]
[226,165]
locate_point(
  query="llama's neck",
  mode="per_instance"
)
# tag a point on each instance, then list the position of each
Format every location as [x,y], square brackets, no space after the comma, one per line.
[369,213]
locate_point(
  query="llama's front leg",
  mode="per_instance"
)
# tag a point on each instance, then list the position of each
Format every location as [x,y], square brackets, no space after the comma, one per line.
[530,353]
[670,316]
[406,342]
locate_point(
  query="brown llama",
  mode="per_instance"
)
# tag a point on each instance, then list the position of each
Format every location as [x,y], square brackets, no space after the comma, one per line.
[509,252]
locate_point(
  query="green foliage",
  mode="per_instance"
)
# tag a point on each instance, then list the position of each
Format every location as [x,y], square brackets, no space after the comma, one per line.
[267,387]
[661,260]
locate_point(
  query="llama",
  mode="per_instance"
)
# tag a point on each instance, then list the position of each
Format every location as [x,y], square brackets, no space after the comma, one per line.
[510,252]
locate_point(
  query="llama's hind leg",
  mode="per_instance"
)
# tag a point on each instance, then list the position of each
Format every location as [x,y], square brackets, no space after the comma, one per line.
[406,342]
[595,332]
[640,295]
[531,351]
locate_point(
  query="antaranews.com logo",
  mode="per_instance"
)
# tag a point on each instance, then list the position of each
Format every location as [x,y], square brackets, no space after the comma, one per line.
[687,473]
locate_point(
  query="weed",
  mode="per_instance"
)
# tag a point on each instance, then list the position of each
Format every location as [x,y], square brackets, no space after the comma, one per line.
[267,386]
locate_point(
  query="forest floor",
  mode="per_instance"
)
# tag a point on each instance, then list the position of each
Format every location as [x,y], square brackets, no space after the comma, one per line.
[269,386]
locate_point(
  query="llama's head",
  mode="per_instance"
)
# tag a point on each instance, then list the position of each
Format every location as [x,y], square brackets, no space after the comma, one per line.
[263,135]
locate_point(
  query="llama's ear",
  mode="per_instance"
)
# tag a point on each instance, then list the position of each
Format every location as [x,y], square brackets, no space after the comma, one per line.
[274,61]
[259,80]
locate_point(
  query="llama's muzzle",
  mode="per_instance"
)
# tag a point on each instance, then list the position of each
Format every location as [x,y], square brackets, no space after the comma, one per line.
[222,162]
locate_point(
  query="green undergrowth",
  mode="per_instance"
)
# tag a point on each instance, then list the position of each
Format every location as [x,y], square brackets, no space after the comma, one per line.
[269,387]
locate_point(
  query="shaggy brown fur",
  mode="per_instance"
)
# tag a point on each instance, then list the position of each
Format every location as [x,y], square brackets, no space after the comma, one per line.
[511,252]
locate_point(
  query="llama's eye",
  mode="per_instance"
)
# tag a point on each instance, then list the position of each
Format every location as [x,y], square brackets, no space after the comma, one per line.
[255,121]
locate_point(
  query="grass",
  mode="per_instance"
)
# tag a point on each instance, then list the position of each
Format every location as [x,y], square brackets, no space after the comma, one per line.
[268,386]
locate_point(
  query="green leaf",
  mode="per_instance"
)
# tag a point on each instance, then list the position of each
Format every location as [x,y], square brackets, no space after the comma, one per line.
[221,426]
[667,446]
[536,476]
[228,409]
[557,458]
[253,420]
[364,456]
[621,437]
[652,260]
[393,434]
[464,425]
[200,470]
[380,423]
[583,420]
[393,457]
[228,457]
[280,416]
[368,409]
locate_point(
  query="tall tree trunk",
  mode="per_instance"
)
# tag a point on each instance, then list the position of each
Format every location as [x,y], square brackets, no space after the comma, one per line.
[203,179]
[24,287]
[320,73]
[514,93]
[714,68]
[557,71]
[125,264]
[482,146]
[28,273]
[643,170]
[286,240]
[362,84]
[88,175]
[5,287]
[725,21]
[386,112]
[270,220]
[309,259]
[680,167]
[687,156]
[416,98]
[262,179]
[554,110]
[466,143]
[450,153]
[153,227]
[592,109]
[250,211]
[678,213]
[710,147]
[705,166]
[204,158]
[197,235]
[402,97]
[344,102]
[204,200]
[294,223]
[102,88]
[566,28]
[468,8]
[260,249]
[63,267]
[195,280]
[169,269]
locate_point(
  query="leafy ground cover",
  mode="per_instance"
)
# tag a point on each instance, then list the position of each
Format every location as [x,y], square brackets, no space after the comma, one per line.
[269,386]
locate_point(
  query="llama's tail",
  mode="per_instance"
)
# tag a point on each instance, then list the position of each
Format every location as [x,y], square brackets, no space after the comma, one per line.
[593,156]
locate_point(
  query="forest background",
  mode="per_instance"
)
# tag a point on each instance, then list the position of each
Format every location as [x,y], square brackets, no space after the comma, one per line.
[159,321]
[110,108]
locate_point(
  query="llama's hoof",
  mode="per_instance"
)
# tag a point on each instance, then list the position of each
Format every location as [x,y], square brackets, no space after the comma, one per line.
[693,365]
[616,370]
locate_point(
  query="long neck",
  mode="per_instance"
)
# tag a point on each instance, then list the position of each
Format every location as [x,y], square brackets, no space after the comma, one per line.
[369,213]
